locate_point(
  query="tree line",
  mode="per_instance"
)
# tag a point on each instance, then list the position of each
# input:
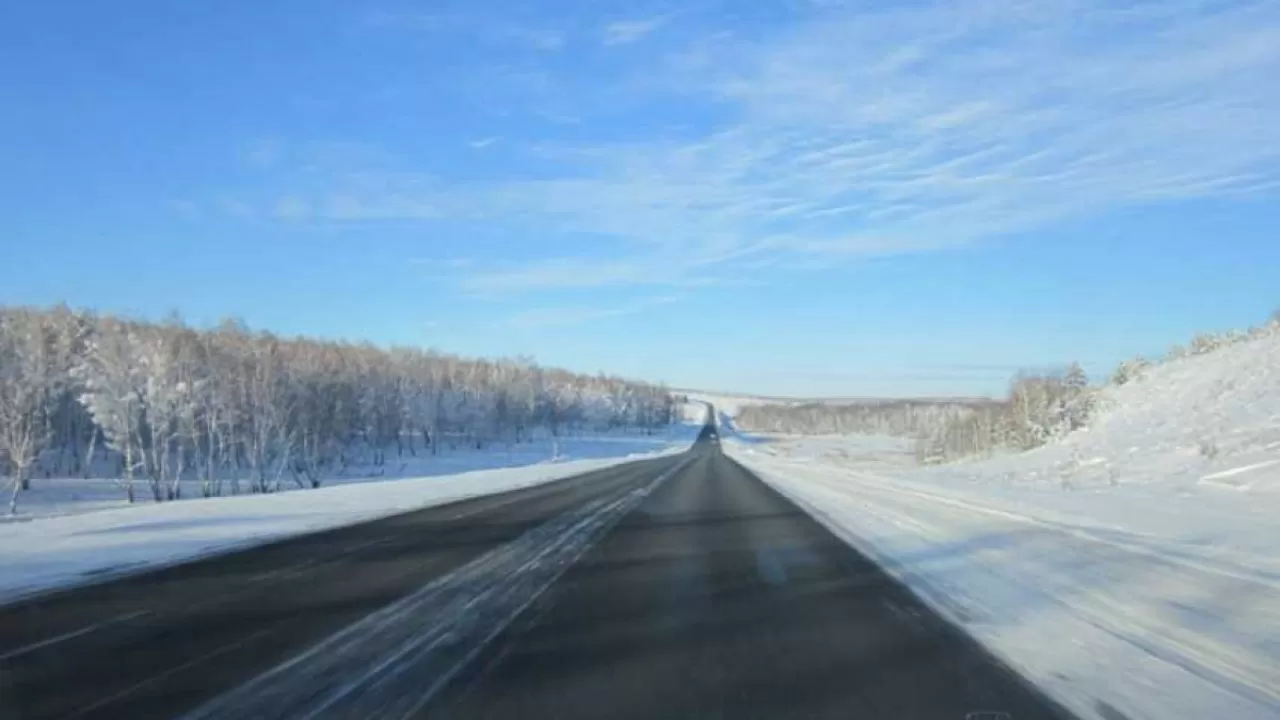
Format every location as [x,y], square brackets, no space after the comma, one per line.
[871,417]
[1044,407]
[1039,407]
[238,410]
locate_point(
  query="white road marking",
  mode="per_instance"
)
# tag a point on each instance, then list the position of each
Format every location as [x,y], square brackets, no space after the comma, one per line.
[19,652]
[175,670]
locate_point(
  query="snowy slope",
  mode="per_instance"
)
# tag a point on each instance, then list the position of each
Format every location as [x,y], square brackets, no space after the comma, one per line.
[52,551]
[1133,570]
[1205,422]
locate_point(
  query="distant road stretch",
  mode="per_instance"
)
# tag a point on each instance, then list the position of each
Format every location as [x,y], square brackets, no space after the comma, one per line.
[679,587]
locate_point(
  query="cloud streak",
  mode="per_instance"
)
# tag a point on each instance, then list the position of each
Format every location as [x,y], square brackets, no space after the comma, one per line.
[850,133]
[625,32]
[540,318]
[910,130]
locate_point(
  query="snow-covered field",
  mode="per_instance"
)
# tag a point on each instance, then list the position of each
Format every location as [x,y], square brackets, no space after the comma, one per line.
[81,530]
[1132,570]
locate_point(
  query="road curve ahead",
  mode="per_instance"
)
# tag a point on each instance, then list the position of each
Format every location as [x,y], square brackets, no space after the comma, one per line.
[680,587]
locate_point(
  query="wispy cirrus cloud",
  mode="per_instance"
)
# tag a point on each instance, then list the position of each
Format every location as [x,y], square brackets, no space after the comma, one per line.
[671,270]
[539,318]
[625,32]
[560,273]
[850,132]
[908,130]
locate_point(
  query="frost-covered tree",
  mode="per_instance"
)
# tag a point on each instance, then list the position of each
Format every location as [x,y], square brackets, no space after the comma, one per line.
[266,436]
[164,397]
[1129,370]
[72,433]
[113,379]
[1077,402]
[1038,408]
[167,402]
[25,385]
[903,418]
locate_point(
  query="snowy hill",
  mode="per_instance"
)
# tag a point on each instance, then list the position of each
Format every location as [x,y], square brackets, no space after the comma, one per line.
[1197,438]
[1211,420]
[1132,569]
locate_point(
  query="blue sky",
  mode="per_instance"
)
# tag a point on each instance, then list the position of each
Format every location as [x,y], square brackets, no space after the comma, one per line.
[802,198]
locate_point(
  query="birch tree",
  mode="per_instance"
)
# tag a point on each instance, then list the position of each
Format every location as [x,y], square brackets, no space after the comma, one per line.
[24,385]
[112,377]
[166,401]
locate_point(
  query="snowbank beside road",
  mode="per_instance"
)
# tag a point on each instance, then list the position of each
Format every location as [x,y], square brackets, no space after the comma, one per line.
[57,496]
[1132,570]
[56,551]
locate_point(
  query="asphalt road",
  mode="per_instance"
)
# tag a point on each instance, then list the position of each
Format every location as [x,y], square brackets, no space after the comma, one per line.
[680,587]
